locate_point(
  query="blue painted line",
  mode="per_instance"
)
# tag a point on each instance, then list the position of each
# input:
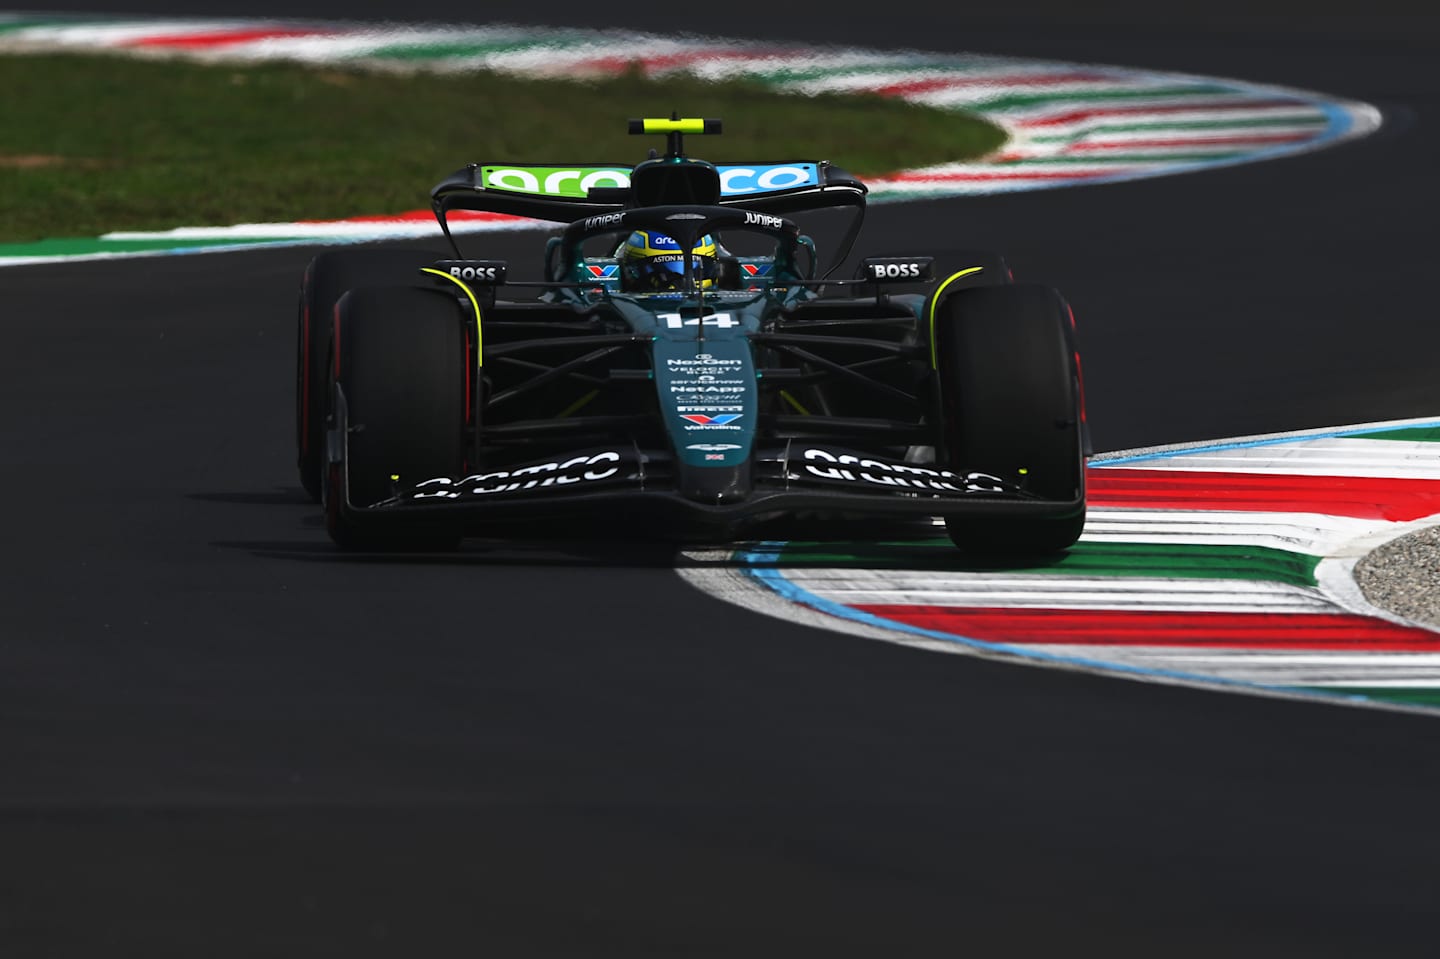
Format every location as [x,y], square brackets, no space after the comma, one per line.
[1338,121]
[777,582]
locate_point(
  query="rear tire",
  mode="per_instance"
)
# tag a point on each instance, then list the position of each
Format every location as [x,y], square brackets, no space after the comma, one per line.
[327,277]
[1010,405]
[401,364]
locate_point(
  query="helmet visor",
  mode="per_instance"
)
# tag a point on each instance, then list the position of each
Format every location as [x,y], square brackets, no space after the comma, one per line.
[666,271]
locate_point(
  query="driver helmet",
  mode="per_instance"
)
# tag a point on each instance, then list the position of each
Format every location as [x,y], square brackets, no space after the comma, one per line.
[652,262]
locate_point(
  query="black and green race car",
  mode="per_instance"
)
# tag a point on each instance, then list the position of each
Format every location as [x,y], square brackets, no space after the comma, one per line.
[438,398]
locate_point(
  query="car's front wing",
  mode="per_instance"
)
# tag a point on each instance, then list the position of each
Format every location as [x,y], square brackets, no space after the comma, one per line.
[789,478]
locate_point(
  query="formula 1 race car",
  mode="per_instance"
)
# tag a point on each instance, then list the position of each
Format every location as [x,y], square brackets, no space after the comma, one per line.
[683,365]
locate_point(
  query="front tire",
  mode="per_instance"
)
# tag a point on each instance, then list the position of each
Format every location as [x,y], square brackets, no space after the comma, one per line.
[1010,405]
[327,277]
[400,361]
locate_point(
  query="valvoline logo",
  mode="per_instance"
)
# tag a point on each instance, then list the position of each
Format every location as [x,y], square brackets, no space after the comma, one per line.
[603,272]
[701,420]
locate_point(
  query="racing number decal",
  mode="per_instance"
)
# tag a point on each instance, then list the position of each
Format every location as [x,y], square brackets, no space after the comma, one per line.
[721,321]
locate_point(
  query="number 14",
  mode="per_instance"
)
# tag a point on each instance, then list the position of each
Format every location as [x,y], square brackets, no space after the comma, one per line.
[673,321]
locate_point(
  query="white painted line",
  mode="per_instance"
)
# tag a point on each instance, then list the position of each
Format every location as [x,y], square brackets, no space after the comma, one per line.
[869,587]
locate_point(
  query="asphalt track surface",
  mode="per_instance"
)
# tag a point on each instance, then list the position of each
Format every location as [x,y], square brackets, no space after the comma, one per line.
[218,737]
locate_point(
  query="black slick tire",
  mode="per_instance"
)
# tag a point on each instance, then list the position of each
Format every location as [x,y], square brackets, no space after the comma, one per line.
[400,360]
[326,279]
[1009,404]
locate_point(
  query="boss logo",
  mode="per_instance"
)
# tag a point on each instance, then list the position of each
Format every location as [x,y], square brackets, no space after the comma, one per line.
[474,271]
[907,268]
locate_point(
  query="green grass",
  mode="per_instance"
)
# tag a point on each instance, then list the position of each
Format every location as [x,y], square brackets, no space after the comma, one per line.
[96,143]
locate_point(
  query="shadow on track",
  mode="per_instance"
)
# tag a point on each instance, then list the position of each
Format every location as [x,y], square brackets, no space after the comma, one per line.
[805,541]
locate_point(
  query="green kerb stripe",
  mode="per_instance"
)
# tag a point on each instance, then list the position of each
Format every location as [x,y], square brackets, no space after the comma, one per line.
[1166,560]
[1413,434]
[451,51]
[799,75]
[1410,696]
[1102,96]
[24,23]
[1160,155]
[1310,119]
[83,247]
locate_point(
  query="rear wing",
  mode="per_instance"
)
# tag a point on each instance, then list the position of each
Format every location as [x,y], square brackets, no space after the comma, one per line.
[567,192]
[564,192]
